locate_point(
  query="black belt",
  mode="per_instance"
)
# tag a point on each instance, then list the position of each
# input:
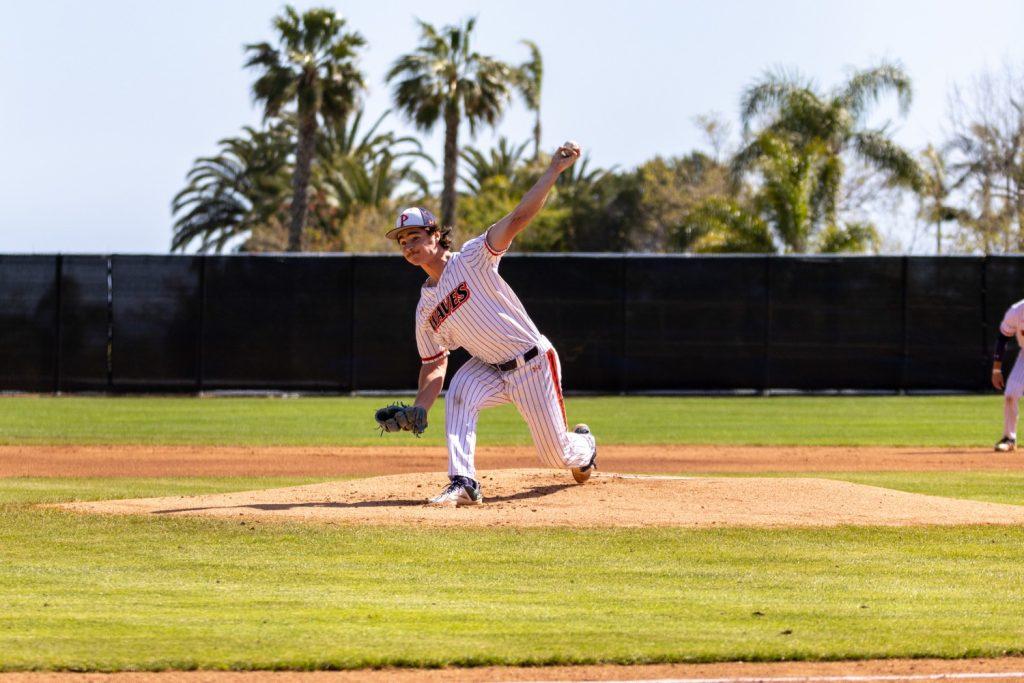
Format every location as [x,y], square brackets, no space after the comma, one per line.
[514,363]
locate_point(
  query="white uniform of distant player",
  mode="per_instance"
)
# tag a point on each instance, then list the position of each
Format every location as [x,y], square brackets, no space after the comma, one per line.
[472,307]
[1011,326]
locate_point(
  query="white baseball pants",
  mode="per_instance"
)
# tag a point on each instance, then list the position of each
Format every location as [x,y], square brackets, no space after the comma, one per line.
[1013,391]
[536,390]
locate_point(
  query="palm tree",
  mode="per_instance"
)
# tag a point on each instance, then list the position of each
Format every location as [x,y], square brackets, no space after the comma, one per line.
[784,211]
[935,193]
[359,170]
[503,160]
[230,194]
[825,127]
[367,168]
[529,79]
[313,69]
[443,78]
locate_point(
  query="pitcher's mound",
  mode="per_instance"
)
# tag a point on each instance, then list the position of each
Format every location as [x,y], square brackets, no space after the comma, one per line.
[530,497]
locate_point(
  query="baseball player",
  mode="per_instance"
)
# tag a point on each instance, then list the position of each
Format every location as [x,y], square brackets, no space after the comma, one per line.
[1011,327]
[466,303]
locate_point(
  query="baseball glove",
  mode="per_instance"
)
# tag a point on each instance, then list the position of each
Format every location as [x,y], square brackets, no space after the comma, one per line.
[400,417]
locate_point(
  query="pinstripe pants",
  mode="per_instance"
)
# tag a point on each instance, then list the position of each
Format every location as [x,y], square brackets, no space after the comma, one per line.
[535,389]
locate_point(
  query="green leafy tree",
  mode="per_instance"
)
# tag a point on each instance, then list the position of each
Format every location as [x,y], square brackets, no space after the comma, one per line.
[233,193]
[360,169]
[497,197]
[603,206]
[313,70]
[444,79]
[804,137]
[243,192]
[505,159]
[783,212]
[722,224]
[671,189]
[854,236]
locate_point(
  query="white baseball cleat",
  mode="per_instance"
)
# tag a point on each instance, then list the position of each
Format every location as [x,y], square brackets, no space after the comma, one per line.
[582,474]
[1006,444]
[461,491]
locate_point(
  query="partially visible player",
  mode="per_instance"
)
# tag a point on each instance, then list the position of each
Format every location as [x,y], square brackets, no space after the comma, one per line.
[1013,387]
[466,303]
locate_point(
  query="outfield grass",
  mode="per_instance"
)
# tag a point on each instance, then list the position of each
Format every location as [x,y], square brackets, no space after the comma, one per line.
[116,593]
[881,421]
[108,593]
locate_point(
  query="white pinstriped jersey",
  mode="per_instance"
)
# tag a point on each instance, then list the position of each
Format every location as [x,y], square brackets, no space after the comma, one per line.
[1013,326]
[472,307]
[1013,322]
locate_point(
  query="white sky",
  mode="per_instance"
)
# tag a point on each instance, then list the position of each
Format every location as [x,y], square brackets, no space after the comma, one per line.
[105,104]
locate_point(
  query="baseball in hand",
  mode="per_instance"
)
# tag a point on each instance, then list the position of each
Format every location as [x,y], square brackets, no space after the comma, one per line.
[568,147]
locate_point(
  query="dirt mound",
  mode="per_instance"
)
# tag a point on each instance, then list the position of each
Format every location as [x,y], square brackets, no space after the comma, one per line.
[534,497]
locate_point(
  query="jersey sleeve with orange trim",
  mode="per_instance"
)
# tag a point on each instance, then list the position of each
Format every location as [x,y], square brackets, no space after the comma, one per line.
[478,254]
[428,344]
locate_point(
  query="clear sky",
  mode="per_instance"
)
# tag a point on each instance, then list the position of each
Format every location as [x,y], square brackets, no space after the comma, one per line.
[105,104]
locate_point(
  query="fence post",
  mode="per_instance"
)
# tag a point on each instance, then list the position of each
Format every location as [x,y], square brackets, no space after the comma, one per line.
[905,364]
[353,260]
[766,352]
[59,328]
[110,323]
[623,327]
[201,327]
[984,315]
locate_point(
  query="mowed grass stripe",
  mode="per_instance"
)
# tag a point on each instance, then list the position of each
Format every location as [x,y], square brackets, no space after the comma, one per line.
[1006,487]
[41,490]
[99,593]
[348,421]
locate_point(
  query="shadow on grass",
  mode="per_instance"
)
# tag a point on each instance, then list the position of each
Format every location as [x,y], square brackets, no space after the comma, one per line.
[535,492]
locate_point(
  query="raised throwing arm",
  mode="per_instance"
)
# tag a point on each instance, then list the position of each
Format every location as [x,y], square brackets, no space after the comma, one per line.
[501,233]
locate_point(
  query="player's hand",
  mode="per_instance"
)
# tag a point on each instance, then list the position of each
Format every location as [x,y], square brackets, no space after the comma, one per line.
[997,379]
[565,156]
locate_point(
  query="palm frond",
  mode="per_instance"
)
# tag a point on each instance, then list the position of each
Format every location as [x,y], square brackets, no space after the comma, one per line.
[770,94]
[529,76]
[867,87]
[878,150]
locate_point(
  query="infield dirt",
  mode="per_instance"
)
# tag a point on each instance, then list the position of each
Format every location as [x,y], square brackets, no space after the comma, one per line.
[229,461]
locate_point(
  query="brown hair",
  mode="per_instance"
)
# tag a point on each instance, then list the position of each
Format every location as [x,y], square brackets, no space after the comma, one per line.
[446,236]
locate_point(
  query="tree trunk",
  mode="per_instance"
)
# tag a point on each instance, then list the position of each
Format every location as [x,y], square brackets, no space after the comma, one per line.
[536,137]
[300,180]
[451,157]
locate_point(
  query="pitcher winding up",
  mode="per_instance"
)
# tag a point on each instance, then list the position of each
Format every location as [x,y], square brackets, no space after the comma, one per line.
[466,303]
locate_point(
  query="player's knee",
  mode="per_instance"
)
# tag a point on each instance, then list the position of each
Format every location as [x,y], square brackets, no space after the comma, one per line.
[456,389]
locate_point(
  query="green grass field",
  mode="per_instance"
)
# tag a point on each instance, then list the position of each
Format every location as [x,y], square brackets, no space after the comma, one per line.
[132,593]
[846,421]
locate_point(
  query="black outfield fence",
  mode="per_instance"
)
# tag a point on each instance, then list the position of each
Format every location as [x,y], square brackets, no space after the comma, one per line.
[621,323]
